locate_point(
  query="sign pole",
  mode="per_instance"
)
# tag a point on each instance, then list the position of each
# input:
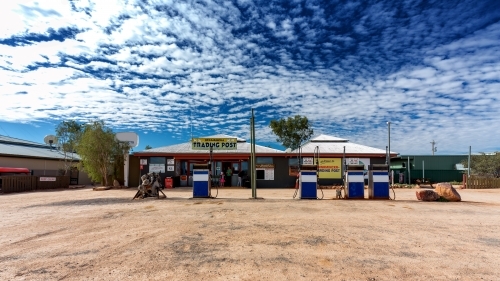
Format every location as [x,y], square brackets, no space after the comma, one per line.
[254,174]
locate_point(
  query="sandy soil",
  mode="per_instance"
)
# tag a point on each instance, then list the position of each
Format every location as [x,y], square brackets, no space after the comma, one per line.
[83,234]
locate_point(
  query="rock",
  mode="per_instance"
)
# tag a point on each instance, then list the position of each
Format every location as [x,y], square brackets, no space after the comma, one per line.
[116,183]
[427,195]
[446,190]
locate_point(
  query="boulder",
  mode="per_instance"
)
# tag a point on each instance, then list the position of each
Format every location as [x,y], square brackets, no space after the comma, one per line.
[427,195]
[116,183]
[446,190]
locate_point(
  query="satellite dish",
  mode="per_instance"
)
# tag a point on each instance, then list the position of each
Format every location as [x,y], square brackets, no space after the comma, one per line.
[288,150]
[50,139]
[130,137]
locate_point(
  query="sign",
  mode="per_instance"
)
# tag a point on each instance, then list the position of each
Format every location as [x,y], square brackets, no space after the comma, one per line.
[329,168]
[268,173]
[264,166]
[170,168]
[170,161]
[157,168]
[142,167]
[307,161]
[359,161]
[144,161]
[47,179]
[214,143]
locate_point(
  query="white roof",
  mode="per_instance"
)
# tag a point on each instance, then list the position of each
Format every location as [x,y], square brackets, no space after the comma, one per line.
[186,147]
[327,138]
[333,145]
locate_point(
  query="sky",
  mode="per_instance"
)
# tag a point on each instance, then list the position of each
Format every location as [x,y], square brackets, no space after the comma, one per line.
[169,69]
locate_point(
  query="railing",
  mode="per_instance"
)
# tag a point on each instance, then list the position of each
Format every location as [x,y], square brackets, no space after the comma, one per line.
[476,182]
[12,184]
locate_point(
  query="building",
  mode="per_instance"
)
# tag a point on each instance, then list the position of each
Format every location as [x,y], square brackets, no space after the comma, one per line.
[433,168]
[274,168]
[40,159]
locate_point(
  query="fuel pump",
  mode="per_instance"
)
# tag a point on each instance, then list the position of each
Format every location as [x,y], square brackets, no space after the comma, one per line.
[201,181]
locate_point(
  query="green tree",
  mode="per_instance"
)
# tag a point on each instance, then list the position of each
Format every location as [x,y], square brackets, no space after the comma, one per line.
[293,131]
[68,134]
[486,165]
[100,152]
[147,147]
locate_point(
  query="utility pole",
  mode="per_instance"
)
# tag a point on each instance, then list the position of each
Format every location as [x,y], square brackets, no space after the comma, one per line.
[434,149]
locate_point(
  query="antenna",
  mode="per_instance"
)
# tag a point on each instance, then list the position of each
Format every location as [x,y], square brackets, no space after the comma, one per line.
[129,137]
[50,139]
[434,149]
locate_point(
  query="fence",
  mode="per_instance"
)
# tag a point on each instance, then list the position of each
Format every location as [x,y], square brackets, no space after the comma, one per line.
[10,184]
[476,182]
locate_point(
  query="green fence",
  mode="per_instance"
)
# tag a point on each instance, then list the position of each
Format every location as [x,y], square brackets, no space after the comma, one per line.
[434,176]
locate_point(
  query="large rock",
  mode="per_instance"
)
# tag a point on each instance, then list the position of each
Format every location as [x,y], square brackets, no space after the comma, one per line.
[116,183]
[446,190]
[427,195]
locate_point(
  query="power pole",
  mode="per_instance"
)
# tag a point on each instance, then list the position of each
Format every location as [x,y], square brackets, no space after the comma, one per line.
[434,149]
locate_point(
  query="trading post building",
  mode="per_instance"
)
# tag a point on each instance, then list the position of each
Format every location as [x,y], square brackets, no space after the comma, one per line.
[274,168]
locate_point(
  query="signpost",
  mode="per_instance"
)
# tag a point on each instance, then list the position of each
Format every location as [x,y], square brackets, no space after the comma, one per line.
[214,143]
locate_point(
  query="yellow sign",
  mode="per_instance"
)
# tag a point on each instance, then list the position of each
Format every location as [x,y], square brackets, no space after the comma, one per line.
[330,168]
[214,143]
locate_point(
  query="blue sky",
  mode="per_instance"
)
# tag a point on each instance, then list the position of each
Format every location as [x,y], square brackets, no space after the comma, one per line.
[165,69]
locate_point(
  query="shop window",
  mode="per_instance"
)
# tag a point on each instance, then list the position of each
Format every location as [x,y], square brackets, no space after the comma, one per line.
[264,160]
[157,160]
[293,166]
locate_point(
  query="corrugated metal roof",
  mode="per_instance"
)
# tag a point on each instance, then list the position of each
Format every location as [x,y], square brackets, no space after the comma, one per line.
[19,141]
[242,147]
[336,146]
[17,147]
[327,138]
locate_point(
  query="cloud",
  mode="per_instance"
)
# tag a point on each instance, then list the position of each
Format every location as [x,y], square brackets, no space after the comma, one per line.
[433,70]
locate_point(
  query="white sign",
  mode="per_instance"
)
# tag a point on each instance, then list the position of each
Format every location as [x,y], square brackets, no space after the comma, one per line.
[307,161]
[170,168]
[170,162]
[352,161]
[157,168]
[144,161]
[47,179]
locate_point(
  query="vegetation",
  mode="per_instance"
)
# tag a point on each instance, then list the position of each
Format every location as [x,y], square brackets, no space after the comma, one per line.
[293,131]
[147,147]
[68,134]
[485,165]
[101,153]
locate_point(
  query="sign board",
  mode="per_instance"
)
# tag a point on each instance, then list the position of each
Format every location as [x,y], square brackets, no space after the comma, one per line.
[307,161]
[144,161]
[359,161]
[214,143]
[170,168]
[157,168]
[170,161]
[329,168]
[47,179]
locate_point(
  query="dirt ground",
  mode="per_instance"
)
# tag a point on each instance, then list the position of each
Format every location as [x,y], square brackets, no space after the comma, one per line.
[82,234]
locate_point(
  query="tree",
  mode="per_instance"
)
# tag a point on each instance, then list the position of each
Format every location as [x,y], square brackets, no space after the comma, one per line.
[486,165]
[293,131]
[68,134]
[147,147]
[100,152]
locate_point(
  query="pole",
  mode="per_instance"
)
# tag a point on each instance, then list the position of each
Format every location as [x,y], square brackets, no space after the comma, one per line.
[408,168]
[127,165]
[389,147]
[254,172]
[423,170]
[468,168]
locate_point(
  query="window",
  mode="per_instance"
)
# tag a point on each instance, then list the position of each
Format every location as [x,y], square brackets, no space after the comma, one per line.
[261,174]
[157,160]
[293,166]
[264,160]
